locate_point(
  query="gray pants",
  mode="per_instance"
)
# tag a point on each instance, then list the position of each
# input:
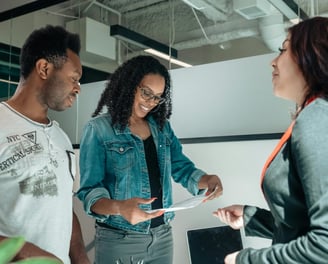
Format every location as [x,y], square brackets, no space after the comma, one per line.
[114,246]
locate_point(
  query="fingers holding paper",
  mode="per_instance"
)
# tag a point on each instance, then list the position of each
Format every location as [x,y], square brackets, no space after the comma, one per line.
[213,185]
[131,211]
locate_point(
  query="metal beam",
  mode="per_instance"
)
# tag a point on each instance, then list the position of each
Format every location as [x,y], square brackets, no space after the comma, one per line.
[289,9]
[28,8]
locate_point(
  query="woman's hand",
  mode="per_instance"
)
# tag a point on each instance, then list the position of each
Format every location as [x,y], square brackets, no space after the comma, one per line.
[130,210]
[231,258]
[231,215]
[213,185]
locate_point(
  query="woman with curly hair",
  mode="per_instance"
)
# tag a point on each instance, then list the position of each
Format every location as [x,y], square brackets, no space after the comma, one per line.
[128,157]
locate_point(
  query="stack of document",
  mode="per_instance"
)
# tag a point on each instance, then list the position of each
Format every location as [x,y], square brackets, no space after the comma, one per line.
[185,204]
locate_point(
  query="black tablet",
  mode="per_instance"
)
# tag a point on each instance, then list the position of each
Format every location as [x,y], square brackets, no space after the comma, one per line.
[211,245]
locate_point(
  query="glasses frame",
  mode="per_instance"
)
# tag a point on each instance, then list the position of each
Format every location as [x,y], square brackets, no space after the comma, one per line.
[147,96]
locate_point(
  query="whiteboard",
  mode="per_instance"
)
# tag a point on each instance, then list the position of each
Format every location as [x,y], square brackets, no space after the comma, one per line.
[228,98]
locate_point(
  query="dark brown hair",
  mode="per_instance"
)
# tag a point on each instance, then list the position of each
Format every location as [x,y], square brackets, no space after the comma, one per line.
[309,46]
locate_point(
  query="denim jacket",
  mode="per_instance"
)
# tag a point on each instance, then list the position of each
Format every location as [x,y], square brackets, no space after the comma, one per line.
[113,165]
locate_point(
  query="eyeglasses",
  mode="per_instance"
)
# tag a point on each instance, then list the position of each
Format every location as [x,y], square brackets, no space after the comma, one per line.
[147,95]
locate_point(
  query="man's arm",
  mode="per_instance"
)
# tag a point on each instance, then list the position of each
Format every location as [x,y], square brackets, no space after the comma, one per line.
[30,250]
[77,251]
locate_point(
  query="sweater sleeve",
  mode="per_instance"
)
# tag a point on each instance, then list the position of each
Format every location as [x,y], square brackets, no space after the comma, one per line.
[258,222]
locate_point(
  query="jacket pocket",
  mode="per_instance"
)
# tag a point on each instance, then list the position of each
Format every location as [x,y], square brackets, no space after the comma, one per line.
[121,155]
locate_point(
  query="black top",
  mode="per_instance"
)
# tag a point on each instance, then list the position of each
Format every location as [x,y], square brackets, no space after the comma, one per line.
[154,178]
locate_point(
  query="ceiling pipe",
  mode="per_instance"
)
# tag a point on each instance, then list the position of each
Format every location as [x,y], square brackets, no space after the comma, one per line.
[150,9]
[88,7]
[119,15]
[217,38]
[272,30]
[71,6]
[216,11]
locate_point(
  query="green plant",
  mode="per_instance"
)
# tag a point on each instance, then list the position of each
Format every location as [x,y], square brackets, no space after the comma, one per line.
[11,246]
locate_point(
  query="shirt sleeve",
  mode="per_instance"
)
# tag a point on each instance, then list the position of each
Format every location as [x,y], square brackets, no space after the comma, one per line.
[92,172]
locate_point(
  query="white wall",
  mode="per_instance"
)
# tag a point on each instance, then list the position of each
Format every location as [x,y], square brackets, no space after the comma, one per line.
[227,98]
[72,120]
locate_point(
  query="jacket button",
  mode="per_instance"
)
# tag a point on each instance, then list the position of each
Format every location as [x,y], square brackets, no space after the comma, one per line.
[121,149]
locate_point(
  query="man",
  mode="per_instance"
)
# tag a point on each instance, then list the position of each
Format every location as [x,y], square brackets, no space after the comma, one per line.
[37,162]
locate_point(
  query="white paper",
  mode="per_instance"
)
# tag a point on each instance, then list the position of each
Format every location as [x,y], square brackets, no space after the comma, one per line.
[185,204]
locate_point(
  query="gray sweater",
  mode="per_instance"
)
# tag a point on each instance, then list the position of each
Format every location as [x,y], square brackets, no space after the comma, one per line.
[296,190]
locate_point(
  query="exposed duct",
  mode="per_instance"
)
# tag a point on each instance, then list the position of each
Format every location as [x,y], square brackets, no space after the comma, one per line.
[213,9]
[183,24]
[217,38]
[270,27]
[272,30]
[271,22]
[252,9]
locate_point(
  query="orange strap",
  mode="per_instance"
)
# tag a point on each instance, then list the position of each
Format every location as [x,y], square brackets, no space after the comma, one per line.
[282,141]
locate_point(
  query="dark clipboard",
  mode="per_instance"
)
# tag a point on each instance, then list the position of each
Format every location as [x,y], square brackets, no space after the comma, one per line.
[211,245]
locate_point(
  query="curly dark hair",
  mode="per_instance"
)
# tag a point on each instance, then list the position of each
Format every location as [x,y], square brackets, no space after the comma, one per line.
[121,87]
[50,43]
[309,46]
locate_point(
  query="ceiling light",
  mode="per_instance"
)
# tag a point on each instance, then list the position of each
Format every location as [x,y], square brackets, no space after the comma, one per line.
[8,81]
[225,45]
[168,58]
[142,41]
[189,3]
[295,21]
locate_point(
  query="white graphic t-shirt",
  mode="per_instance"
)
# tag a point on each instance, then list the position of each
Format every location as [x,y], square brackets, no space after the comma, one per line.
[37,169]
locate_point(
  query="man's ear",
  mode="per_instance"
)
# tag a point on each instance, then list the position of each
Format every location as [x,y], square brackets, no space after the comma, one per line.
[42,68]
